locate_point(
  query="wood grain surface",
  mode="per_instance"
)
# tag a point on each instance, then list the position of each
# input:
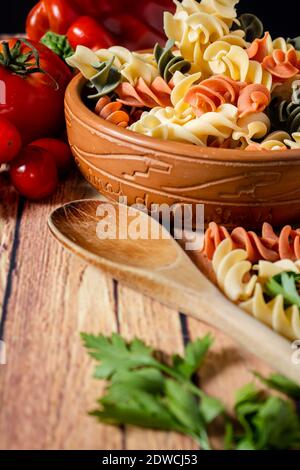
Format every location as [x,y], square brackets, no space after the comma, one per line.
[47,297]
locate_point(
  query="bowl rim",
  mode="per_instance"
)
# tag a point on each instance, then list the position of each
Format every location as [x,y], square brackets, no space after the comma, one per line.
[73,94]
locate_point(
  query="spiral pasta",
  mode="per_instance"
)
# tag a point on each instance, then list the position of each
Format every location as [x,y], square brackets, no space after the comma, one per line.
[285,115]
[282,65]
[112,111]
[259,49]
[231,267]
[295,42]
[153,126]
[284,321]
[266,269]
[168,63]
[215,124]
[105,81]
[295,143]
[253,99]
[268,246]
[164,123]
[220,80]
[223,9]
[251,25]
[275,141]
[252,126]
[233,62]
[131,65]
[192,33]
[235,279]
[158,93]
[195,25]
[212,93]
[218,90]
[86,61]
[182,85]
[201,28]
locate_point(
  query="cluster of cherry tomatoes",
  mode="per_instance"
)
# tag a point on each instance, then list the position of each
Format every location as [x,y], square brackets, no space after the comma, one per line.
[98,24]
[36,168]
[33,80]
[33,83]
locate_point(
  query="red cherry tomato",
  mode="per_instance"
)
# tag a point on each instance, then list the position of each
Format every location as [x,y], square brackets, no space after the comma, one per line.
[59,15]
[151,13]
[97,8]
[131,31]
[33,102]
[34,173]
[50,15]
[61,153]
[10,141]
[87,32]
[37,23]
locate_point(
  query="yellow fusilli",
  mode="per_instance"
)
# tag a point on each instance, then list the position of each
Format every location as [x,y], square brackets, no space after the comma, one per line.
[233,61]
[131,65]
[181,125]
[196,25]
[295,143]
[231,267]
[286,321]
[235,279]
[253,126]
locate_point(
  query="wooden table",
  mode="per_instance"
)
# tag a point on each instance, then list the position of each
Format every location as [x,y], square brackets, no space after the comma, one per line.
[48,296]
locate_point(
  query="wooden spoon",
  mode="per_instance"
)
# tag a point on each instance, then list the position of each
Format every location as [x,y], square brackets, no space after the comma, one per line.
[161,269]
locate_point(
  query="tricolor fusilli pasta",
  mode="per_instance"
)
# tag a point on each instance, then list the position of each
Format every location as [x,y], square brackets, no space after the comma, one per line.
[220,80]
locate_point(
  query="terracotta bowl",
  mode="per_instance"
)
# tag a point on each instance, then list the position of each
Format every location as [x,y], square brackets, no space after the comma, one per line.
[236,187]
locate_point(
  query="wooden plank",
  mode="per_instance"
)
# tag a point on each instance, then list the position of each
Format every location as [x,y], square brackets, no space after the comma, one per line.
[46,388]
[159,327]
[8,216]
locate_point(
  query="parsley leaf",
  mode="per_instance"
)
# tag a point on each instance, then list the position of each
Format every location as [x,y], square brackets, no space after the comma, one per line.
[281,384]
[210,408]
[115,355]
[268,422]
[194,356]
[136,408]
[184,406]
[143,391]
[285,284]
[148,393]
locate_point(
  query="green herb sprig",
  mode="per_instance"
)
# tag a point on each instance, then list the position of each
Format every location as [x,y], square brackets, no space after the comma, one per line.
[287,285]
[267,422]
[146,392]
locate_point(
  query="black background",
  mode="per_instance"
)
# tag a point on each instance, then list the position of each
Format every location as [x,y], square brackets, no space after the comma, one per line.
[280,18]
